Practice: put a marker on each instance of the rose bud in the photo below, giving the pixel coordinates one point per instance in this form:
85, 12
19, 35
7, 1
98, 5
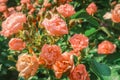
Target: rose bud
91, 9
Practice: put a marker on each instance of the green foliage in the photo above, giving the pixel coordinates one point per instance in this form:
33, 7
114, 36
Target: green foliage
100, 67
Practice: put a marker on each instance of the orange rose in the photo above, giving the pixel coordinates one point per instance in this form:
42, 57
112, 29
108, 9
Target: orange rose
79, 73
106, 47
24, 1
3, 1
116, 14
3, 7
91, 9
49, 54
55, 26
79, 42
13, 24
63, 64
76, 53
27, 65
66, 10
16, 44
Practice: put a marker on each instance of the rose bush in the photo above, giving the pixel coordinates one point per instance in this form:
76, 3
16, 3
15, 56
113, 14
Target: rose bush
59, 40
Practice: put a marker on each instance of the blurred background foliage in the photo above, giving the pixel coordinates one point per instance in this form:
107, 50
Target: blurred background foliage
100, 67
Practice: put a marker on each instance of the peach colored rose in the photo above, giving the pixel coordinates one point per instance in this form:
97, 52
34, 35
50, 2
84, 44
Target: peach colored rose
116, 14
27, 65
106, 47
91, 9
16, 44
79, 42
73, 52
49, 54
3, 1
3, 7
13, 24
24, 1
55, 26
79, 73
107, 15
11, 10
66, 10
63, 64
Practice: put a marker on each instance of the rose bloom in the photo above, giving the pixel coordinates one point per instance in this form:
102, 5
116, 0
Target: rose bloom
3, 7
13, 24
79, 42
49, 54
73, 52
24, 1
3, 1
16, 44
63, 64
55, 26
106, 47
27, 65
91, 9
66, 10
116, 14
79, 73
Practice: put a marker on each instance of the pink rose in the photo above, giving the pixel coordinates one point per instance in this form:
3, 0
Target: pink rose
27, 65
16, 44
3, 1
79, 42
55, 26
13, 24
49, 54
24, 1
3, 7
66, 10
79, 73
106, 47
63, 64
91, 9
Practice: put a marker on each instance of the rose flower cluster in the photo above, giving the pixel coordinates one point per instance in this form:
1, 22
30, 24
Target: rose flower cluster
51, 55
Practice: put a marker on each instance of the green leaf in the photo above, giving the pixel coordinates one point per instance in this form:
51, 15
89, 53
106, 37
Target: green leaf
77, 14
21, 78
114, 75
93, 21
90, 31
104, 29
75, 58
100, 69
